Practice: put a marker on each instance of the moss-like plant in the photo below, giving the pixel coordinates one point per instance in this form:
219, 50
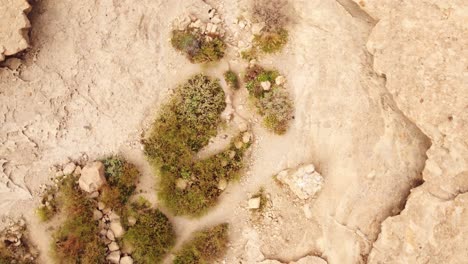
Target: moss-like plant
197, 47
231, 79
152, 236
185, 125
274, 104
206, 246
77, 239
122, 178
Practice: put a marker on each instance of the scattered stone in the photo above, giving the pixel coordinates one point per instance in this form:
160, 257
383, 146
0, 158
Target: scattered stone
266, 85
117, 229
113, 216
280, 80
131, 221
222, 184
242, 24
307, 211
246, 137
216, 20
113, 246
238, 144
110, 235
97, 215
211, 13
92, 177
103, 232
181, 184
101, 206
304, 181
69, 168
254, 203
242, 125
213, 28
114, 257
77, 171
126, 260
94, 195
232, 154
196, 24
257, 28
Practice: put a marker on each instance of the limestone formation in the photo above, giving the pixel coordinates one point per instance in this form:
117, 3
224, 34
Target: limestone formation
13, 27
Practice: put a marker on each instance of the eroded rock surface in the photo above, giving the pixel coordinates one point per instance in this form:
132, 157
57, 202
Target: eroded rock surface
420, 46
13, 26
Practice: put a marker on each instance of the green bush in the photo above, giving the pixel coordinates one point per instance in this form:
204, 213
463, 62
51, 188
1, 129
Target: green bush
77, 239
231, 79
184, 126
122, 178
275, 104
206, 246
196, 47
152, 236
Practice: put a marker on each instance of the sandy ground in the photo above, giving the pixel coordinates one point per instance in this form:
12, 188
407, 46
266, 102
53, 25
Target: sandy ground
97, 71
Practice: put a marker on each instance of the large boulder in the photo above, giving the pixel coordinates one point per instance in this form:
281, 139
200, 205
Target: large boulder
92, 177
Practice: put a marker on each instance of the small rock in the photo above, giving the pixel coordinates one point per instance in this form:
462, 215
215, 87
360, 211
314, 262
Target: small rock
242, 125
242, 24
97, 215
246, 137
266, 85
69, 168
309, 168
222, 184
307, 211
254, 203
131, 221
59, 174
257, 28
216, 20
113, 246
181, 184
77, 171
196, 24
232, 154
110, 235
113, 216
126, 260
280, 80
114, 257
116, 229
92, 177
238, 144
101, 206
103, 232
94, 195
211, 13
127, 248
213, 28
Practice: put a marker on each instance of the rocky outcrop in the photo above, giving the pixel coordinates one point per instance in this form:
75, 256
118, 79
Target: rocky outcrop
13, 26
420, 46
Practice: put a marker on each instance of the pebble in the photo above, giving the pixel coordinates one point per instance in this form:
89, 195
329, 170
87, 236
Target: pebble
246, 137
254, 203
77, 171
97, 215
69, 168
101, 206
116, 229
266, 85
114, 257
131, 221
110, 235
126, 260
280, 80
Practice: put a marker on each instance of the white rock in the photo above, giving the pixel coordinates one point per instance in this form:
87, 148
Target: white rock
117, 229
97, 215
257, 28
113, 246
242, 125
216, 20
126, 260
131, 221
213, 28
92, 177
196, 24
222, 184
246, 137
101, 205
110, 235
254, 203
303, 181
181, 184
69, 168
212, 13
266, 85
94, 195
114, 257
77, 171
280, 80
242, 24
113, 216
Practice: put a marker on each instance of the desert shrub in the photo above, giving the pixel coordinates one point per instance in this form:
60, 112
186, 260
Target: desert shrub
205, 247
184, 126
77, 239
275, 104
271, 42
231, 79
196, 46
122, 178
152, 236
